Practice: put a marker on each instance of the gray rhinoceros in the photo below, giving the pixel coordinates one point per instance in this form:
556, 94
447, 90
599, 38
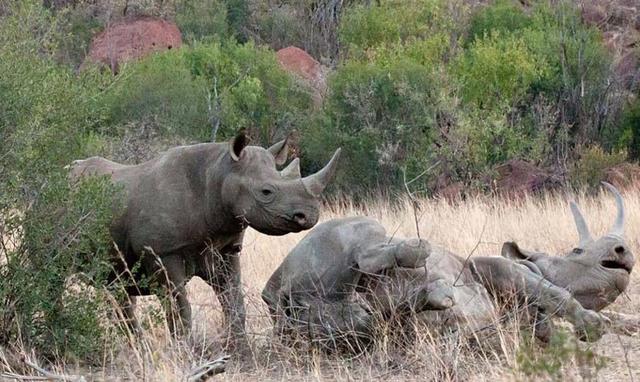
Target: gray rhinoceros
185, 213
346, 271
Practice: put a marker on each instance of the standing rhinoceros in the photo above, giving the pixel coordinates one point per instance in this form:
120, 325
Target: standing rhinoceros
312, 292
186, 211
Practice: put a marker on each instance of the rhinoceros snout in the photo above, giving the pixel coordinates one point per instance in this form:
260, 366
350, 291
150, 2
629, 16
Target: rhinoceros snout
304, 219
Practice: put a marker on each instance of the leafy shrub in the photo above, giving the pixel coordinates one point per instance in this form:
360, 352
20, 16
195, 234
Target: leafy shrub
503, 17
562, 352
383, 115
497, 71
161, 87
590, 169
248, 89
201, 19
65, 233
627, 134
579, 75
48, 116
391, 22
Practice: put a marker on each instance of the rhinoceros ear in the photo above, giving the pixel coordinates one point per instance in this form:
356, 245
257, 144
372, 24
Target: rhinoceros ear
510, 250
280, 151
238, 144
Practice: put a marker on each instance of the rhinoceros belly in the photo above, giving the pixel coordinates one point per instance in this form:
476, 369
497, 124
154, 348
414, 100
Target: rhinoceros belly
473, 307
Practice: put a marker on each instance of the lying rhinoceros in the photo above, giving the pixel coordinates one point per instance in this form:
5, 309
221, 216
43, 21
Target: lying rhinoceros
186, 211
345, 271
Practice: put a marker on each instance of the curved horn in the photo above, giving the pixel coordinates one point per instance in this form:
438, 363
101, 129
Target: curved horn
581, 224
279, 151
618, 225
316, 183
292, 171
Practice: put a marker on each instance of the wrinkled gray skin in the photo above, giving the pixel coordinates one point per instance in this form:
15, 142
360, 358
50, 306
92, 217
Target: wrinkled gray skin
315, 285
312, 291
187, 210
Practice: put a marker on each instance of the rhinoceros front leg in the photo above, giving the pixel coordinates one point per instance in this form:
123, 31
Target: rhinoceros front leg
222, 273
175, 280
503, 277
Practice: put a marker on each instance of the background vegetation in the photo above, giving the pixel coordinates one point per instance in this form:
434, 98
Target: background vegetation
451, 86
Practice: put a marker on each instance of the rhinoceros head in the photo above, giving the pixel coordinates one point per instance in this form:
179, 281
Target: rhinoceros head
271, 201
596, 272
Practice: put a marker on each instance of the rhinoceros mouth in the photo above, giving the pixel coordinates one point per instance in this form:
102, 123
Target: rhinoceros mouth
614, 264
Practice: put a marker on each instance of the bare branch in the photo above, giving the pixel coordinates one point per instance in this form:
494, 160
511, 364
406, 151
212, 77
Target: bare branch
475, 247
209, 369
47, 375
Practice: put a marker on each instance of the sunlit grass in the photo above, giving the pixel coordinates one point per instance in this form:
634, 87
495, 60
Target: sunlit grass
543, 224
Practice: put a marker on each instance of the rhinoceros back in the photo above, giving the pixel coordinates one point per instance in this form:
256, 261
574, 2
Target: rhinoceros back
92, 166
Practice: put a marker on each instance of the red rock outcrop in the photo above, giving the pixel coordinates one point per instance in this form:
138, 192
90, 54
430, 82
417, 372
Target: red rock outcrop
298, 62
132, 39
517, 178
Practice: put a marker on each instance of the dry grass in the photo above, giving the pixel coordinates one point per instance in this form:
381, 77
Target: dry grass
542, 224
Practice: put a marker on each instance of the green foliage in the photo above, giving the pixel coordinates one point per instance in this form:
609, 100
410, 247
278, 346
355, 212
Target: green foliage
202, 19
160, 87
47, 117
482, 140
552, 361
590, 169
503, 17
382, 113
628, 134
248, 89
497, 71
76, 28
392, 22
65, 233
238, 16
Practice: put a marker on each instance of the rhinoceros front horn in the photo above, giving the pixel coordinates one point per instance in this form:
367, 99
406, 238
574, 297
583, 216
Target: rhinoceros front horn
618, 226
581, 224
316, 183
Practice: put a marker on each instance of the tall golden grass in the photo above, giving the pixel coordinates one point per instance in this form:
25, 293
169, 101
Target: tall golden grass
540, 223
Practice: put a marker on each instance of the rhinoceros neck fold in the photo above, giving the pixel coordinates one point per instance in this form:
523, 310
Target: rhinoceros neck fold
219, 218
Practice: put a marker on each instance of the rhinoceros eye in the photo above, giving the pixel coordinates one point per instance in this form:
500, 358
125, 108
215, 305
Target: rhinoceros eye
578, 251
266, 193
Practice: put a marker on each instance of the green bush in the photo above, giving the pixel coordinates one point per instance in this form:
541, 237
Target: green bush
503, 17
393, 22
54, 289
201, 19
248, 90
383, 115
558, 359
161, 87
48, 117
497, 71
589, 169
627, 136
579, 78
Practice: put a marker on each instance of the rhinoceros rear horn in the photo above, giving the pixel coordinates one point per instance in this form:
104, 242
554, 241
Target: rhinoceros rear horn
618, 226
238, 144
292, 171
316, 183
280, 151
